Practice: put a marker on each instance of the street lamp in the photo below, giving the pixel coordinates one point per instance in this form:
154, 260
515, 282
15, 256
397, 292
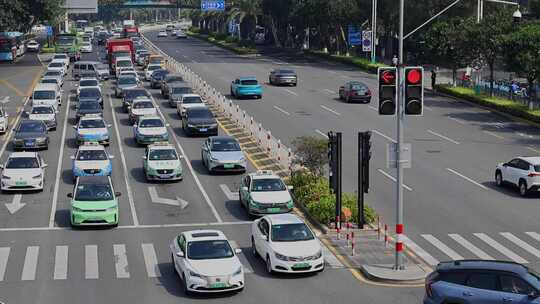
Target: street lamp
517, 15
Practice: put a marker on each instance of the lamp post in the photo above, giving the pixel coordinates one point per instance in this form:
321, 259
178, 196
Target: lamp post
373, 31
480, 9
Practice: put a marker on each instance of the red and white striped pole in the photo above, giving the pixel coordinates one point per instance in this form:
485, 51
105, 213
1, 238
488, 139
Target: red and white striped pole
352, 243
268, 136
278, 149
385, 235
399, 238
337, 227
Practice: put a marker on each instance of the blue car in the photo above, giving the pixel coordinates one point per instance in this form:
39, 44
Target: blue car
246, 87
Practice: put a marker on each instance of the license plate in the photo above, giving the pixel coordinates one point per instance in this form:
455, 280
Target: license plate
29, 143
203, 129
218, 285
21, 183
273, 210
228, 166
301, 265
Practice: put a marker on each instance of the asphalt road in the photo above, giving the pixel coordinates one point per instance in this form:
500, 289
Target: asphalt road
450, 194
43, 260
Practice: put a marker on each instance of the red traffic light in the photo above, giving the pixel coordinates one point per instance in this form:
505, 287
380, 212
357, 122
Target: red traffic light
414, 76
388, 76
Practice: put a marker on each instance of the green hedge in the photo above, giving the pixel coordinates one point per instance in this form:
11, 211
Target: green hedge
313, 193
362, 63
500, 104
223, 41
46, 50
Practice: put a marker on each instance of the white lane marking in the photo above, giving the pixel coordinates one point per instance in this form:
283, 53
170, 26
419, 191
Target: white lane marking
428, 258
459, 121
384, 136
124, 165
193, 173
330, 258
493, 134
291, 92
442, 247
333, 72
393, 179
467, 179
330, 110
282, 111
61, 263
231, 196
428, 108
373, 108
321, 133
443, 137
514, 239
533, 149
329, 91
344, 76
150, 261
4, 256
497, 246
524, 135
59, 166
193, 61
15, 204
534, 235
242, 257
472, 248
91, 265
30, 263
121, 261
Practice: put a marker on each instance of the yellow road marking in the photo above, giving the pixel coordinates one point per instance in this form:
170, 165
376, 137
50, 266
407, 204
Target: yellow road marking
12, 87
36, 78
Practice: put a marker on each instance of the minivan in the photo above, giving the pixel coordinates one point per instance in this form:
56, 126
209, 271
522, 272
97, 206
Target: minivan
83, 67
47, 94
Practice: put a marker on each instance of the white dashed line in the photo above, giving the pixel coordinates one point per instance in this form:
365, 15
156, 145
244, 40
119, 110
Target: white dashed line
291, 92
282, 111
330, 110
321, 133
393, 179
459, 121
467, 179
384, 136
373, 108
443, 137
493, 134
533, 149
329, 91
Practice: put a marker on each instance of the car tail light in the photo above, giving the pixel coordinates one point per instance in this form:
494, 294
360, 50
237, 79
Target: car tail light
533, 174
430, 279
352, 93
368, 93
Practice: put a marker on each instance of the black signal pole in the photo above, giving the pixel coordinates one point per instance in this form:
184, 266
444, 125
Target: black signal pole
361, 218
338, 179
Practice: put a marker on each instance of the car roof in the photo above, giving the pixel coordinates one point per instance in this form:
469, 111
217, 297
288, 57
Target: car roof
161, 146
284, 218
535, 160
23, 154
45, 86
149, 117
223, 137
264, 174
483, 265
248, 78
92, 146
93, 179
191, 95
204, 235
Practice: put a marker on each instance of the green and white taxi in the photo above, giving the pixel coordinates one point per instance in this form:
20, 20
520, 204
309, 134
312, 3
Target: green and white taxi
264, 192
162, 162
150, 129
94, 202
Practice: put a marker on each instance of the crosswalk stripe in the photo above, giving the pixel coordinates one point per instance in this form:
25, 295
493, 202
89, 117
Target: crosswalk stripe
4, 256
442, 247
428, 258
120, 261
30, 263
514, 239
150, 261
91, 262
331, 259
499, 247
534, 235
472, 248
60, 263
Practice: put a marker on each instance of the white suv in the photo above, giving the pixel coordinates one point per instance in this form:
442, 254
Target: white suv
523, 172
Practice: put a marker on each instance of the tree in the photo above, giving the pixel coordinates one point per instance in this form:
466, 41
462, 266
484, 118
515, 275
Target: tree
311, 153
535, 8
246, 13
21, 15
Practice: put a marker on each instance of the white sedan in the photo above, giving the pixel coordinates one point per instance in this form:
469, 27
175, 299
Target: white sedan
57, 66
162, 34
286, 244
86, 47
150, 69
3, 121
32, 46
206, 263
23, 171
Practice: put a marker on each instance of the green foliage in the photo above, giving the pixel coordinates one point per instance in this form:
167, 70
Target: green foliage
361, 63
312, 153
21, 15
521, 52
47, 50
231, 46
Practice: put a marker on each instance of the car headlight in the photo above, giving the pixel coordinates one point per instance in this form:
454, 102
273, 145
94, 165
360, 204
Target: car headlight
281, 257
194, 274
318, 255
37, 176
212, 158
290, 204
151, 171
5, 177
76, 209
213, 125
41, 139
112, 209
238, 272
191, 126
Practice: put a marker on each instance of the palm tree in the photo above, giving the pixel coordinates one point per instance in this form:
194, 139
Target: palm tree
246, 10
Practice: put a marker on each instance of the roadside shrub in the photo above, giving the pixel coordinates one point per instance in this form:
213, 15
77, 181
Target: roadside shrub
230, 39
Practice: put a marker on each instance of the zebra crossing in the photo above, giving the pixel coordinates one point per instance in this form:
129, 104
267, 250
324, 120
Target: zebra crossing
93, 262
517, 247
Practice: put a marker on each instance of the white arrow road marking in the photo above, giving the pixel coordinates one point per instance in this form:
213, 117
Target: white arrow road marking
16, 204
228, 193
5, 99
166, 201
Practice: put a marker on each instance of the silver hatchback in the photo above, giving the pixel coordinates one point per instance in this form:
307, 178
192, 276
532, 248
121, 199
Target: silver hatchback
223, 154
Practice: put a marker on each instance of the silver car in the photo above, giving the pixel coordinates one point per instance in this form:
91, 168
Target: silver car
123, 83
223, 153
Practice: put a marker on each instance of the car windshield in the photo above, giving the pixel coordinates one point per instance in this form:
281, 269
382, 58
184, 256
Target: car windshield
205, 250
225, 145
132, 94
285, 72
91, 123
22, 163
181, 90
291, 233
127, 80
56, 65
174, 79
154, 67
49, 80
88, 83
53, 73
267, 184
89, 93
249, 82
358, 86
143, 105
191, 99
42, 110
91, 155
158, 74
102, 67
163, 154
151, 123
128, 73
123, 63
44, 95
32, 126
94, 192
89, 106
200, 113
60, 56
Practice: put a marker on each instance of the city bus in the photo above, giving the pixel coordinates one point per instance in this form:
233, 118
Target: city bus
8, 48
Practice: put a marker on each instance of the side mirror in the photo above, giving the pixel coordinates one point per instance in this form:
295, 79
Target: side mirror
111, 156
143, 157
44, 166
27, 113
533, 295
244, 188
1, 166
76, 85
75, 127
505, 165
109, 126
72, 157
118, 193
290, 187
167, 125
134, 126
180, 254
56, 112
238, 251
70, 195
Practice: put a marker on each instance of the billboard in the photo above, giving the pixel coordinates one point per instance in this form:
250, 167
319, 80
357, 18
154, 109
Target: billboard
81, 6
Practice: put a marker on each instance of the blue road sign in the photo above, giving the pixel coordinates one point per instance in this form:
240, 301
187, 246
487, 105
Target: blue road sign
354, 35
212, 5
49, 30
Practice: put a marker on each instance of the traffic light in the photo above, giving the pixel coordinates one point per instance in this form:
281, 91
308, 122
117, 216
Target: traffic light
366, 156
414, 90
387, 90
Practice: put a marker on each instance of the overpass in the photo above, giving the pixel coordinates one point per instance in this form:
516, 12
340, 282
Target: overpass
162, 4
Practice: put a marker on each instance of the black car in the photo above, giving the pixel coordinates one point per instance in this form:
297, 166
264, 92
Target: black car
355, 91
31, 134
167, 80
102, 38
90, 95
87, 108
157, 77
199, 120
283, 76
131, 94
176, 90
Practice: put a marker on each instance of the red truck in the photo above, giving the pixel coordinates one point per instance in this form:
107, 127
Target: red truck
119, 48
130, 31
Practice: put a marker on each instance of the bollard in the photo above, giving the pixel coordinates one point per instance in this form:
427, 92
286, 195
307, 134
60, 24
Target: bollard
385, 235
352, 243
337, 227
378, 228
348, 240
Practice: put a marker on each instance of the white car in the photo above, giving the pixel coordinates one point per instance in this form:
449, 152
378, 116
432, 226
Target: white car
3, 121
162, 34
188, 101
129, 72
57, 74
23, 171
150, 69
87, 83
62, 56
264, 192
91, 159
46, 113
161, 162
206, 263
57, 66
32, 46
92, 128
150, 129
141, 106
286, 244
86, 47
181, 34
524, 172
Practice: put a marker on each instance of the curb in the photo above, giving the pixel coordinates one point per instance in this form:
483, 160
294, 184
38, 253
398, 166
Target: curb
375, 278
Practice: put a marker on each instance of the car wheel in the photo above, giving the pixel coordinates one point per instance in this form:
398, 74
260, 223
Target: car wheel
348, 100
185, 287
269, 266
172, 263
253, 248
498, 179
270, 80
523, 188
232, 93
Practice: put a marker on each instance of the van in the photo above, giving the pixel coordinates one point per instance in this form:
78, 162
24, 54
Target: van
48, 94
84, 67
